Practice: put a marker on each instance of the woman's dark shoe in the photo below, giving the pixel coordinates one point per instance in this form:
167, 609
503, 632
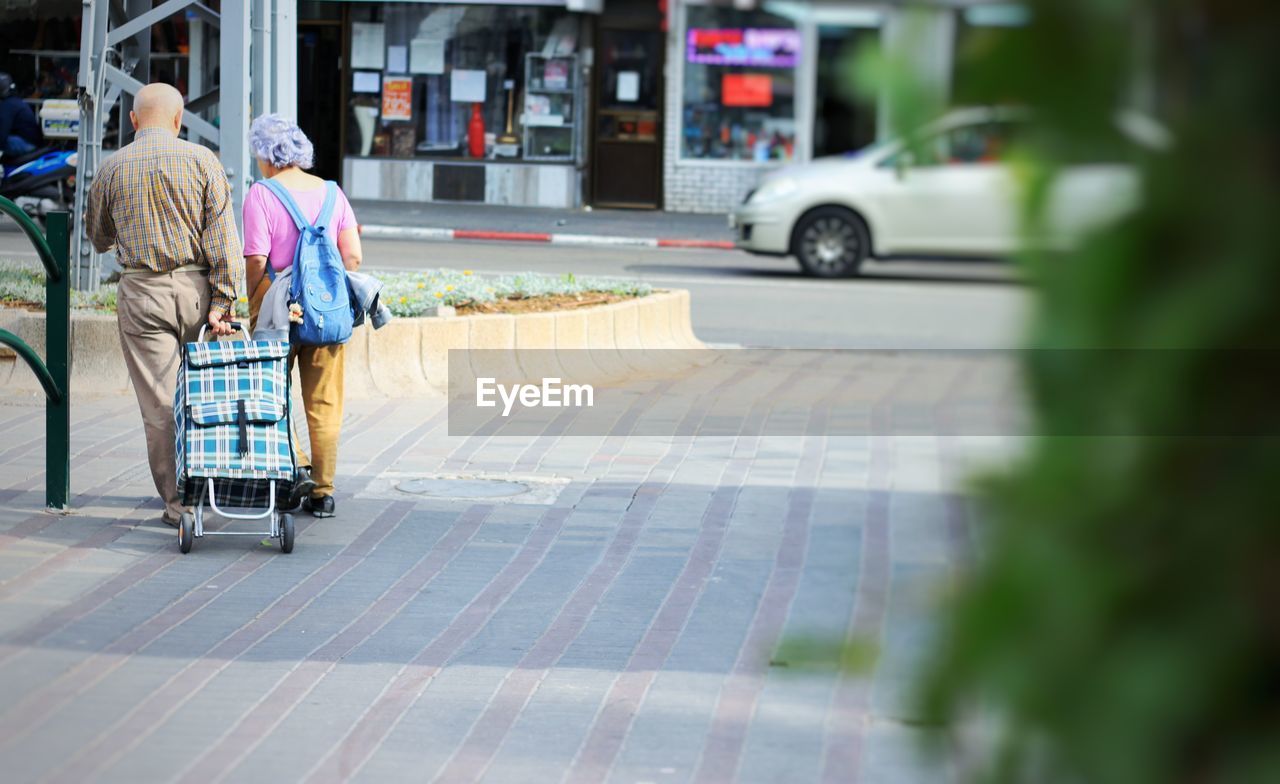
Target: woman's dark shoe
303, 484
320, 507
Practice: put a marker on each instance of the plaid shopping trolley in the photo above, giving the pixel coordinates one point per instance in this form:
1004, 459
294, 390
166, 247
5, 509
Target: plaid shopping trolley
232, 434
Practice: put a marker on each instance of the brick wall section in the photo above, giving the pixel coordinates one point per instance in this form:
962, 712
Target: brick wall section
688, 186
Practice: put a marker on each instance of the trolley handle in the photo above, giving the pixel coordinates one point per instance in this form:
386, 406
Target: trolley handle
234, 326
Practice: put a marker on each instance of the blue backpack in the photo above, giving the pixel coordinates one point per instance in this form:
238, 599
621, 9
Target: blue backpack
319, 282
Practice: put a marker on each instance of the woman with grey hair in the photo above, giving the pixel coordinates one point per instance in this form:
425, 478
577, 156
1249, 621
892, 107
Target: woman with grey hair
284, 153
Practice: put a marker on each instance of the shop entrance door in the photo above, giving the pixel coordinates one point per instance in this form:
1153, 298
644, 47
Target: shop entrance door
320, 112
626, 168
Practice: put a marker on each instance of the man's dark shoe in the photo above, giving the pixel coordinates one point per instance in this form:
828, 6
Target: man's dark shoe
303, 484
320, 507
164, 518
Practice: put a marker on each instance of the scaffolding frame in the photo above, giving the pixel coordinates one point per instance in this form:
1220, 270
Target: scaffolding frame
257, 63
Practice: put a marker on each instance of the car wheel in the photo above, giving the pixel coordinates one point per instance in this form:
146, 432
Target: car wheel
831, 242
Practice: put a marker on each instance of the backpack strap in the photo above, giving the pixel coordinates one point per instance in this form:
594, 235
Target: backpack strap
286, 198
301, 223
326, 210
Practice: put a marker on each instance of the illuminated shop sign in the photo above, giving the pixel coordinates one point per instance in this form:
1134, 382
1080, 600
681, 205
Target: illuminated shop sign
746, 90
768, 48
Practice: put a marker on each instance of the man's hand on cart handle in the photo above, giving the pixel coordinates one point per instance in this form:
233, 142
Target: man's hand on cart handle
220, 322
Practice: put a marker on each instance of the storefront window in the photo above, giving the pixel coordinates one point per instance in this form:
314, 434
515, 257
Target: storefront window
418, 73
739, 85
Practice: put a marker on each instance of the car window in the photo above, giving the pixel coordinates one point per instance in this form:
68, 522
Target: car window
964, 145
970, 144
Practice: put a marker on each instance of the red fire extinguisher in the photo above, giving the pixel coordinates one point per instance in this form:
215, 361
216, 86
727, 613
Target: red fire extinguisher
475, 132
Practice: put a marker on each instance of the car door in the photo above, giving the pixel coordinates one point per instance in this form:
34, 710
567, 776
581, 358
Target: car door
1087, 196
954, 195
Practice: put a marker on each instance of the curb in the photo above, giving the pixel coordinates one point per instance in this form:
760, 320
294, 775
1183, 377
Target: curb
652, 335
406, 232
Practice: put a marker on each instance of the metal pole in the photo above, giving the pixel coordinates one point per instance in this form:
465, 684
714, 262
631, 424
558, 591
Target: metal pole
284, 67
807, 87
195, 57
260, 56
93, 108
234, 97
54, 374
28, 355
57, 351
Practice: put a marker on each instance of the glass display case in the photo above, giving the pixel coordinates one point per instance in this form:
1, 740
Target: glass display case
550, 111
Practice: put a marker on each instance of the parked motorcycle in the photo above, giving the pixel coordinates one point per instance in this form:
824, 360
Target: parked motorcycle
41, 181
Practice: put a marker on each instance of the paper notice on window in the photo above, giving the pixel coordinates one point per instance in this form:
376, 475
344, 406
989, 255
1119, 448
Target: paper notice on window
397, 98
467, 86
628, 86
366, 82
397, 59
426, 56
368, 45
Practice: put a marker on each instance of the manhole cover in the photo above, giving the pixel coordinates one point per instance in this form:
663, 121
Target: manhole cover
463, 488
476, 488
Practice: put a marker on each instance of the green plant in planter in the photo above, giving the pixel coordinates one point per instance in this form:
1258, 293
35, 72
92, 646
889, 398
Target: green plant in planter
406, 294
412, 294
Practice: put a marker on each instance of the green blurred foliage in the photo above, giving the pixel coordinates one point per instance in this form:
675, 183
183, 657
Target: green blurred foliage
1122, 624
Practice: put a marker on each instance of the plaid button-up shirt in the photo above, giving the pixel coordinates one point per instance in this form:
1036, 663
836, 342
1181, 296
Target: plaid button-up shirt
163, 203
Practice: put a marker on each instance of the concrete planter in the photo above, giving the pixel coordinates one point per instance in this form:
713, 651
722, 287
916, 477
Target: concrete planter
409, 356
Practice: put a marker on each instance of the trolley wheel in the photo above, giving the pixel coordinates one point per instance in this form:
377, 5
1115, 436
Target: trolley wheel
186, 532
286, 533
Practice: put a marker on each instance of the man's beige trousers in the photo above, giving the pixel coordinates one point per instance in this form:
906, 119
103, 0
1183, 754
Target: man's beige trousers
158, 312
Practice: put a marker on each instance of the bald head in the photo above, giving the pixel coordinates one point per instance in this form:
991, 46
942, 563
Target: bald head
157, 106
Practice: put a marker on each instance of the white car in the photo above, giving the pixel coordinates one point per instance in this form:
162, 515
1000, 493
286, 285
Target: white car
955, 197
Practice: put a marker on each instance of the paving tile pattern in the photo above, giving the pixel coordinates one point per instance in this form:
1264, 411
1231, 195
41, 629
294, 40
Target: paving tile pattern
624, 633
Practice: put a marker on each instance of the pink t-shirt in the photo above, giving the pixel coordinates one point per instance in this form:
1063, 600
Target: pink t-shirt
269, 231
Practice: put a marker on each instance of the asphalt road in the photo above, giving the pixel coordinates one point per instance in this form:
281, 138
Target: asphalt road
745, 300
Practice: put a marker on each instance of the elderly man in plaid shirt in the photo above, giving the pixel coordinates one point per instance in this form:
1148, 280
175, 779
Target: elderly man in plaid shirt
165, 206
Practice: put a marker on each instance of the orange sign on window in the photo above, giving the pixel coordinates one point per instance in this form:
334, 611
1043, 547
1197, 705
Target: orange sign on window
397, 98
746, 90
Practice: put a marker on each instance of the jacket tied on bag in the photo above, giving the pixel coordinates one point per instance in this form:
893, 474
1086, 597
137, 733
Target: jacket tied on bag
366, 302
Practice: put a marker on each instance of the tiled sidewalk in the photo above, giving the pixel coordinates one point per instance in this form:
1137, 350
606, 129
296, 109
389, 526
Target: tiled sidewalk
622, 633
